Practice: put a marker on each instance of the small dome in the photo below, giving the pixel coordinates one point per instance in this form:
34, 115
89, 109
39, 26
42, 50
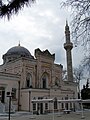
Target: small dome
18, 50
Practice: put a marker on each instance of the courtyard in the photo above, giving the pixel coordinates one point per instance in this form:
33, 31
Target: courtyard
56, 116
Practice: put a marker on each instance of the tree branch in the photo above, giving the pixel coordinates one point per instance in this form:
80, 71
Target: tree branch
13, 7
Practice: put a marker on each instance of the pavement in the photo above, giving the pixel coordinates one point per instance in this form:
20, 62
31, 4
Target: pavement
56, 116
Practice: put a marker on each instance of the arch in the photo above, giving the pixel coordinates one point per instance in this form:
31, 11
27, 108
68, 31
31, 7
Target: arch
28, 80
44, 80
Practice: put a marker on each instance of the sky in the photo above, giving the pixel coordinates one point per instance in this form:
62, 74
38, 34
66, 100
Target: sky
40, 26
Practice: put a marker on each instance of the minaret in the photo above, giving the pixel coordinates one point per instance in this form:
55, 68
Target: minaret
68, 47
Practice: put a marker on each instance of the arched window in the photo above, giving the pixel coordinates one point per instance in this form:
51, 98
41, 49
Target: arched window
44, 80
29, 80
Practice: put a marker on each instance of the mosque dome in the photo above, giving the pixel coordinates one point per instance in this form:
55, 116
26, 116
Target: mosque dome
16, 52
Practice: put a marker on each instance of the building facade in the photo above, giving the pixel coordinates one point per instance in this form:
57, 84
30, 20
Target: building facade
34, 77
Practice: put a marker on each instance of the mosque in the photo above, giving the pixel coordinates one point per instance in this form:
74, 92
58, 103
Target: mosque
30, 77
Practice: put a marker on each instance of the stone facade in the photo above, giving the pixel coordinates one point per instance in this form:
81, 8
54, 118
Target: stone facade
34, 77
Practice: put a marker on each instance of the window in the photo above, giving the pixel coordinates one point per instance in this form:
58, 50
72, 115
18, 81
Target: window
2, 94
66, 105
13, 93
34, 106
70, 104
29, 80
28, 83
55, 103
46, 106
62, 104
38, 106
44, 80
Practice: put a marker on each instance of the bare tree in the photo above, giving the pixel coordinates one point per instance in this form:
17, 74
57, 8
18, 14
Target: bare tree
9, 7
86, 65
80, 24
78, 76
81, 20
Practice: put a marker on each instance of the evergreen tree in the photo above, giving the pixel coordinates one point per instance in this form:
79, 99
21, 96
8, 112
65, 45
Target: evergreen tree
85, 93
12, 6
87, 84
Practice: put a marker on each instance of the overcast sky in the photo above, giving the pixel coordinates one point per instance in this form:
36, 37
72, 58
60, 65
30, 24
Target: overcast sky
39, 26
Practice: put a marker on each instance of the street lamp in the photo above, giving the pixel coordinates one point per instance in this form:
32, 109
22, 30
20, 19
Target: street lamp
9, 95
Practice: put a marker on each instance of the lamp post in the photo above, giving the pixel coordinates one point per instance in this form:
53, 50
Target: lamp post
9, 96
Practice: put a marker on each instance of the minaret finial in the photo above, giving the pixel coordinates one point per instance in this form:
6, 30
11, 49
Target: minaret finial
67, 27
19, 43
66, 22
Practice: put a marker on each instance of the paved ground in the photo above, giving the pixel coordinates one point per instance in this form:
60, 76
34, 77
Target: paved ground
27, 116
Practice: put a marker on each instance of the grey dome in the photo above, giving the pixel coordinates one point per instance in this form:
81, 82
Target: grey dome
15, 53
18, 50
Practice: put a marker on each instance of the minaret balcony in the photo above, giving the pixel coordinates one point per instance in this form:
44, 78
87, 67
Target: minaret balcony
68, 45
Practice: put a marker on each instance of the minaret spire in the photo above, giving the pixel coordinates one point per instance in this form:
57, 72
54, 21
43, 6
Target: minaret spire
67, 32
66, 22
68, 47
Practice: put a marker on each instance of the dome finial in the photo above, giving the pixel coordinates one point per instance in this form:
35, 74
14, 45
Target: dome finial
19, 43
